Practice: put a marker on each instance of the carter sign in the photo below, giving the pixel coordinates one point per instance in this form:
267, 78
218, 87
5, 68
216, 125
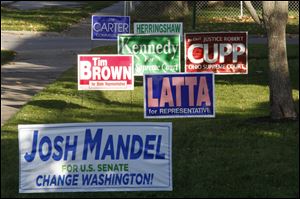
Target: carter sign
108, 27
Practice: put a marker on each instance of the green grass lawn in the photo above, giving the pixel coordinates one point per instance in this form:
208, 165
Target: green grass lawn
240, 153
6, 56
219, 19
204, 24
48, 19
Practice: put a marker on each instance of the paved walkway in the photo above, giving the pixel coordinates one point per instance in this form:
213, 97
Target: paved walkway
41, 58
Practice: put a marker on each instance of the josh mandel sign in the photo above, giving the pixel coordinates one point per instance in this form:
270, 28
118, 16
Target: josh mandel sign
95, 157
152, 53
179, 95
108, 27
221, 53
105, 72
159, 28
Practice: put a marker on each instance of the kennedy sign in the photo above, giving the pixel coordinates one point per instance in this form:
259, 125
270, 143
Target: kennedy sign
152, 53
105, 72
221, 53
108, 27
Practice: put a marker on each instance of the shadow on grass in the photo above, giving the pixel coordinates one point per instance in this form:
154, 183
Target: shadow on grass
54, 104
233, 156
101, 99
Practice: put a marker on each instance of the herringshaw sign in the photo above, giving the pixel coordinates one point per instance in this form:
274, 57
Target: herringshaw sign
152, 53
179, 95
105, 72
159, 28
218, 52
93, 157
108, 27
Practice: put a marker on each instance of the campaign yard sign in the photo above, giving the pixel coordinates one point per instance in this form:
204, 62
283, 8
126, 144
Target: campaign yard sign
152, 53
93, 157
179, 95
218, 52
108, 27
105, 72
159, 28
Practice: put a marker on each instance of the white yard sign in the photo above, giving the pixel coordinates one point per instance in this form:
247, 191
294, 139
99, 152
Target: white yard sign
90, 157
165, 28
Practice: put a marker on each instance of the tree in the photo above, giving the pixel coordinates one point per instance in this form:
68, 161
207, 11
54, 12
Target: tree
274, 19
171, 9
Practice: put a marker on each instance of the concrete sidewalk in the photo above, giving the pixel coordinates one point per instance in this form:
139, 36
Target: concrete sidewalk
253, 39
41, 58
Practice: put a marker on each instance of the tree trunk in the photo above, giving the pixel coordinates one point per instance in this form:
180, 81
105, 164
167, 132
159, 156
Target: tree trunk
158, 9
176, 8
215, 4
275, 15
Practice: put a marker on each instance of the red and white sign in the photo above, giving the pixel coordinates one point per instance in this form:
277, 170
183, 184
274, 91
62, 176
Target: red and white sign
105, 72
220, 52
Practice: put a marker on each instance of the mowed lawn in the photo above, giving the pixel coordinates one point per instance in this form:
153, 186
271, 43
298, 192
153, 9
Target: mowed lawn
240, 153
50, 18
213, 19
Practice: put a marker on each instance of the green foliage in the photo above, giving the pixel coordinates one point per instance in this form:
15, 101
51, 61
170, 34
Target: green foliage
6, 56
240, 153
217, 19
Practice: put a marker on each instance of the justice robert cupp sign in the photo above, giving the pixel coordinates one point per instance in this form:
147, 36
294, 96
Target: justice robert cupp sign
219, 52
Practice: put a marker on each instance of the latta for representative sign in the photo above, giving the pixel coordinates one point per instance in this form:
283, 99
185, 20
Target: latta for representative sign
159, 28
105, 72
179, 95
108, 27
152, 53
218, 52
92, 157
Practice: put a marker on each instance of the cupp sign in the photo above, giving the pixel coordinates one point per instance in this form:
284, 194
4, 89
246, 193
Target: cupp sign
221, 53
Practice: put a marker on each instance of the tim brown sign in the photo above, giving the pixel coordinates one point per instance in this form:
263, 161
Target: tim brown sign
105, 72
219, 52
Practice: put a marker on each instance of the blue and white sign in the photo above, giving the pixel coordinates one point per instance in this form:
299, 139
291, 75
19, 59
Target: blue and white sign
108, 27
92, 157
179, 95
